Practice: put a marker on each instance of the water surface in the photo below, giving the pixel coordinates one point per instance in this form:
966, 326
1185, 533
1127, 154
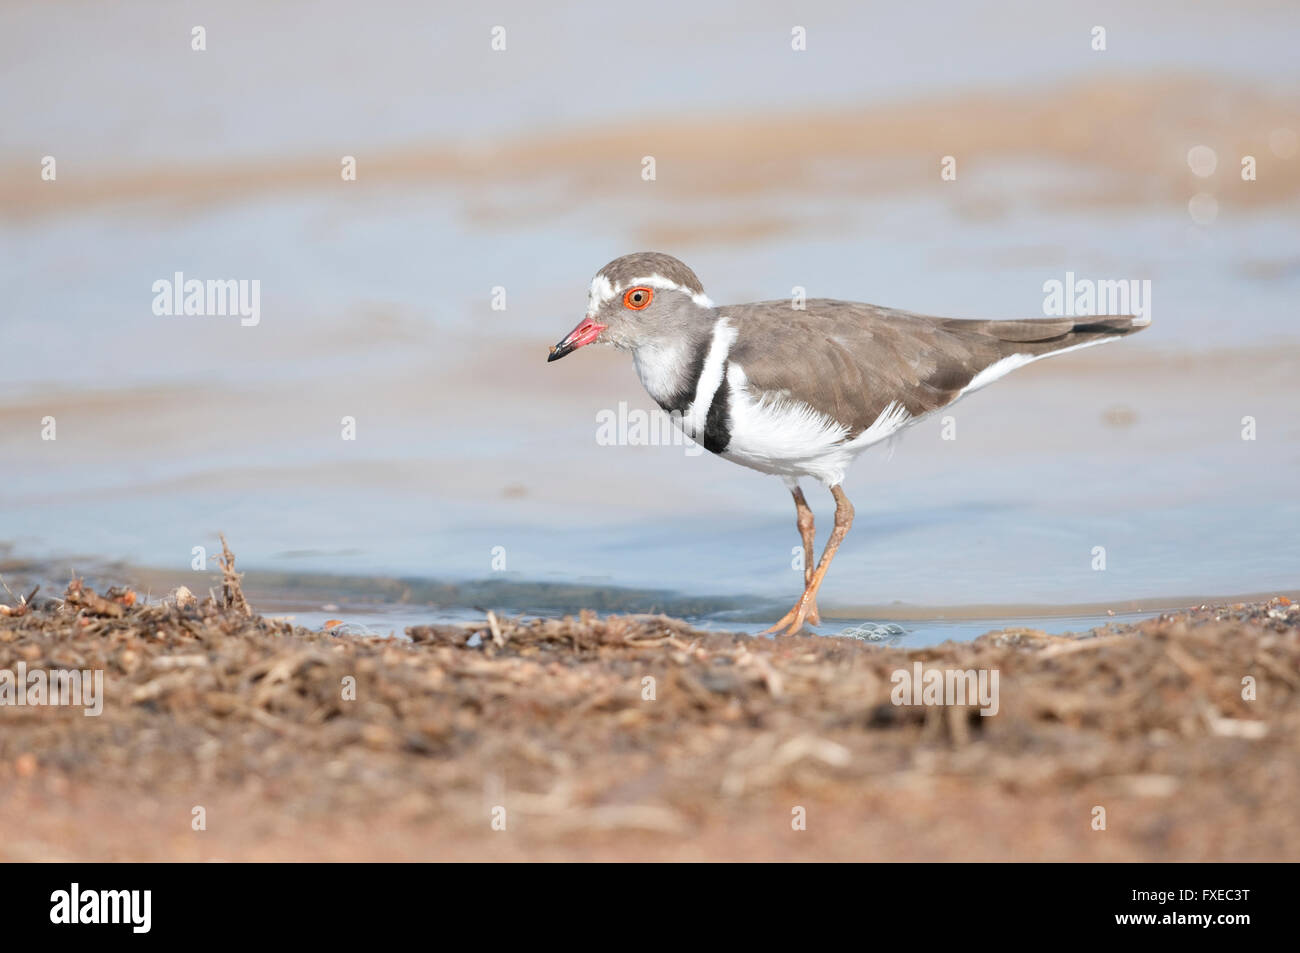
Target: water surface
1106, 478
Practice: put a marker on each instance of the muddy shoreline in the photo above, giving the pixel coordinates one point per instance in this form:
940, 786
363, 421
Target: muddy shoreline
282, 593
638, 736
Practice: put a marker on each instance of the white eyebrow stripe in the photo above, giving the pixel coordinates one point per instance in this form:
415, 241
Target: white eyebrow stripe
603, 290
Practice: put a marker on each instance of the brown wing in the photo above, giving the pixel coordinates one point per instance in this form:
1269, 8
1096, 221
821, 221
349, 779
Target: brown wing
850, 360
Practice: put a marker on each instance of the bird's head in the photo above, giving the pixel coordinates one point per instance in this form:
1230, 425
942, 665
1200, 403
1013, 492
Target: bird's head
636, 299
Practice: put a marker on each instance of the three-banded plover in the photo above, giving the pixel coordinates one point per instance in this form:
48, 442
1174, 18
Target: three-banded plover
801, 392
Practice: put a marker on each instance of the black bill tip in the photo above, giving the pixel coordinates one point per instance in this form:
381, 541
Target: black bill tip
559, 351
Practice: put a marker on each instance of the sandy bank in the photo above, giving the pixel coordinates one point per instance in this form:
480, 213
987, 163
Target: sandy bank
302, 745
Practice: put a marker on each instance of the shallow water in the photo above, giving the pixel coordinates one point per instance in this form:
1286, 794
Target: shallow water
476, 461
394, 620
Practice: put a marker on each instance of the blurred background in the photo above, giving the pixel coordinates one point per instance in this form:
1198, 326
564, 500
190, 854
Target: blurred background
521, 169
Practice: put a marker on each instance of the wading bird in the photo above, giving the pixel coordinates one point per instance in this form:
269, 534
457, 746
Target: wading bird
801, 392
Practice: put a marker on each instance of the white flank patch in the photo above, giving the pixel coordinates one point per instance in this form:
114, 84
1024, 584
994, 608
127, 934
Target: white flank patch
891, 420
603, 290
715, 363
776, 434
995, 370
1008, 364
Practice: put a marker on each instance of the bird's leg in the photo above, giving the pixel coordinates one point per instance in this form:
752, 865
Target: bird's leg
794, 620
804, 519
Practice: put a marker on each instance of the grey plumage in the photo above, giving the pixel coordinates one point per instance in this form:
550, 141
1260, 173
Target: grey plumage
850, 361
798, 392
622, 271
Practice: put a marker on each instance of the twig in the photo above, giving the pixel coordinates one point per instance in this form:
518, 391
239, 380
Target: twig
495, 626
24, 605
232, 593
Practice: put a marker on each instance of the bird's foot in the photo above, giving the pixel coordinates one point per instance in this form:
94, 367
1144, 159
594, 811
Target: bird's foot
804, 612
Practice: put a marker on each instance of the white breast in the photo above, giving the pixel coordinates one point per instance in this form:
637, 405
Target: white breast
660, 367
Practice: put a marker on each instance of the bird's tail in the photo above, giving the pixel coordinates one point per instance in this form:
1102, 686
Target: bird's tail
1041, 336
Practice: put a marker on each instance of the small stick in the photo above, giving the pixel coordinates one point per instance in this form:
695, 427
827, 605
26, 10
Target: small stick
496, 629
232, 592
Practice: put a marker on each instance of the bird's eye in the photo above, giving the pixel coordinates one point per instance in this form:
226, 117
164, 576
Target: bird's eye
637, 298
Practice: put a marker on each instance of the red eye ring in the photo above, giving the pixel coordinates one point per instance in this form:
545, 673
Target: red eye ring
638, 299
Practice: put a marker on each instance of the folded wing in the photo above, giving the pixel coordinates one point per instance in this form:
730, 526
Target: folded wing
850, 361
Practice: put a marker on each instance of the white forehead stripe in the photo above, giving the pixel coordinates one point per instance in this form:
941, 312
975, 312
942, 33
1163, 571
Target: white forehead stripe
603, 290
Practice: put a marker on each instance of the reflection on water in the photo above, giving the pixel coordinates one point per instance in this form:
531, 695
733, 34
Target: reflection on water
393, 621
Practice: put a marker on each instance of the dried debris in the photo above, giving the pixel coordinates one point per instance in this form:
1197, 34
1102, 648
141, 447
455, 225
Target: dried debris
23, 604
593, 729
232, 592
89, 601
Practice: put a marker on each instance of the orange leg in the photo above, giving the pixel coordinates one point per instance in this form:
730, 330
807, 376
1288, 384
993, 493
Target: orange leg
804, 611
804, 519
